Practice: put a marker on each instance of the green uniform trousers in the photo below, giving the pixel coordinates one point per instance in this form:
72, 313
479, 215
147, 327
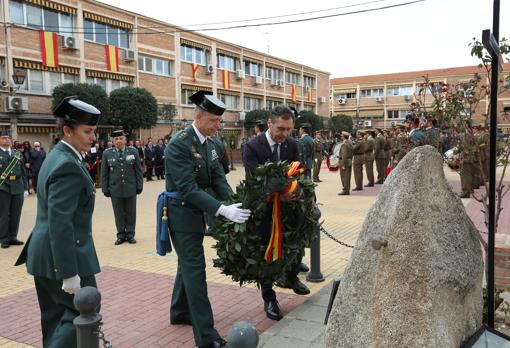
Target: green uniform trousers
369, 167
124, 210
10, 213
380, 164
316, 167
345, 177
58, 312
189, 297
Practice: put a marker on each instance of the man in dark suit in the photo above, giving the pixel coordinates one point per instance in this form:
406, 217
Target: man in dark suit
274, 145
150, 159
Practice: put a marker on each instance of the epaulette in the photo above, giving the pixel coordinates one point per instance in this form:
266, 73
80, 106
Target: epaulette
182, 135
108, 149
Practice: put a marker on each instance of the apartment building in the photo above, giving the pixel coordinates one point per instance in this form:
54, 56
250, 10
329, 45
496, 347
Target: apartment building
77, 41
384, 100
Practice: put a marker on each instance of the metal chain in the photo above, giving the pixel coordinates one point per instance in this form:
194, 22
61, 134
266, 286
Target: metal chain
336, 240
100, 335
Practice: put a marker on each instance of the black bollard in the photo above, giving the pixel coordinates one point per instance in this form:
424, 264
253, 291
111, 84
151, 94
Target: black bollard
315, 274
87, 301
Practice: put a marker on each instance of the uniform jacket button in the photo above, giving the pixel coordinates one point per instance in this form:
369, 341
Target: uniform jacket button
77, 241
55, 269
182, 203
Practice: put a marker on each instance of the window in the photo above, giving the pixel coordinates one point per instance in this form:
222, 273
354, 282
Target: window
271, 104
226, 62
108, 85
274, 74
106, 34
393, 114
154, 65
506, 84
371, 93
193, 54
231, 101
253, 69
350, 95
310, 108
39, 81
252, 103
292, 78
185, 94
40, 18
399, 90
309, 81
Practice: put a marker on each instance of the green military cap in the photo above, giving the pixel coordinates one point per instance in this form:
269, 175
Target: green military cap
119, 133
77, 111
207, 102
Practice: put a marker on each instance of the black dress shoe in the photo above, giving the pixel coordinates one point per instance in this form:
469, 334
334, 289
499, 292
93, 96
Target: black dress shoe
357, 189
5, 245
299, 288
343, 193
369, 185
119, 241
303, 268
131, 240
184, 320
15, 242
272, 310
219, 343
378, 182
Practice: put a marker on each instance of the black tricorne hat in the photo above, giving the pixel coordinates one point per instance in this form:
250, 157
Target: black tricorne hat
206, 101
77, 111
305, 125
260, 123
118, 133
5, 133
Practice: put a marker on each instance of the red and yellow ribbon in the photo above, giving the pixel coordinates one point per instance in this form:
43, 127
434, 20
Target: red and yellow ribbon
274, 249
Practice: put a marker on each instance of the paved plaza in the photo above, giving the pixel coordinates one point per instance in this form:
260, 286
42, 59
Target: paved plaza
136, 284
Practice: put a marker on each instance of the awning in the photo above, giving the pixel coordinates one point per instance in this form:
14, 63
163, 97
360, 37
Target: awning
107, 20
196, 88
195, 44
36, 130
53, 6
25, 64
229, 92
110, 76
344, 91
371, 113
347, 113
228, 53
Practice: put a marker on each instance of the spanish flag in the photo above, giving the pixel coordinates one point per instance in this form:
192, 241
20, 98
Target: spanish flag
294, 92
226, 79
309, 95
194, 68
112, 57
49, 48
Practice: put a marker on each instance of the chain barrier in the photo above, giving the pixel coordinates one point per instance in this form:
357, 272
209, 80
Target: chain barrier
334, 239
100, 335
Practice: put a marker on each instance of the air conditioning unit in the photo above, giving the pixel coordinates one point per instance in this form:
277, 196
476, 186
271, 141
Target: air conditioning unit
367, 123
258, 80
281, 83
14, 103
4, 84
242, 115
129, 55
274, 82
407, 97
69, 42
393, 123
240, 74
342, 101
322, 100
209, 69
379, 99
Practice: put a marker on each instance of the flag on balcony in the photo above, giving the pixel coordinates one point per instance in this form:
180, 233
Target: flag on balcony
112, 57
294, 92
309, 95
49, 48
194, 67
226, 79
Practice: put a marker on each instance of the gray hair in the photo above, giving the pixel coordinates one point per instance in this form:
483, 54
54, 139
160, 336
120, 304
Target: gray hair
281, 111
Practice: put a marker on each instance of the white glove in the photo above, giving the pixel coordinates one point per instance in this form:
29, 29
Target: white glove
25, 194
234, 213
71, 285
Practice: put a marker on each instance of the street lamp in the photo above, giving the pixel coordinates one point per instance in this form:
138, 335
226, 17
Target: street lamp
19, 79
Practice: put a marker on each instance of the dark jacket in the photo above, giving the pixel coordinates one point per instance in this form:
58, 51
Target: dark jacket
257, 151
36, 159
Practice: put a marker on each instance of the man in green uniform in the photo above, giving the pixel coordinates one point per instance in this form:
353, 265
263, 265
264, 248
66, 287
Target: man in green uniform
191, 167
318, 151
369, 157
358, 159
60, 251
345, 164
13, 189
306, 148
380, 156
122, 180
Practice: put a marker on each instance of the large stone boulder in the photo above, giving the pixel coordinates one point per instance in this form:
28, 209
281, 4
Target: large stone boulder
422, 289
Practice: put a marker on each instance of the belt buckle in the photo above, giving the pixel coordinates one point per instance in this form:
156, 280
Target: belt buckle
12, 177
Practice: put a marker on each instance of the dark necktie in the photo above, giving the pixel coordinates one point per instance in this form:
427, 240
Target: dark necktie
275, 155
120, 155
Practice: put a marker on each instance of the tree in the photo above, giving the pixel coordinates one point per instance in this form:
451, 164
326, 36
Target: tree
309, 117
167, 112
91, 94
132, 108
341, 123
253, 116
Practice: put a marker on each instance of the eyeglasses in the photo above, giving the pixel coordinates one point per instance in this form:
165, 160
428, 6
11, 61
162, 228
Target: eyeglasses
37, 146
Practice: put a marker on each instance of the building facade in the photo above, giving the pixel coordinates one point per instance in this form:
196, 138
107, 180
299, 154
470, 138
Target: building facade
104, 45
384, 100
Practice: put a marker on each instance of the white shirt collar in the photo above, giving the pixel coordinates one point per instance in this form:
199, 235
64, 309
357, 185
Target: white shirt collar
269, 139
200, 136
7, 149
74, 150
304, 135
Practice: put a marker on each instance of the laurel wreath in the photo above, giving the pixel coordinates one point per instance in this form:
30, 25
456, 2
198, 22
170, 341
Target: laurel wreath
240, 247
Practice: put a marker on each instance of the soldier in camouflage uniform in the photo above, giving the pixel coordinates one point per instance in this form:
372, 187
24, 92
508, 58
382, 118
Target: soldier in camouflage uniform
122, 180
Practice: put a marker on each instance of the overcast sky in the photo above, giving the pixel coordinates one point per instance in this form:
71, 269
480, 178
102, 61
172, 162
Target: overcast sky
420, 36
